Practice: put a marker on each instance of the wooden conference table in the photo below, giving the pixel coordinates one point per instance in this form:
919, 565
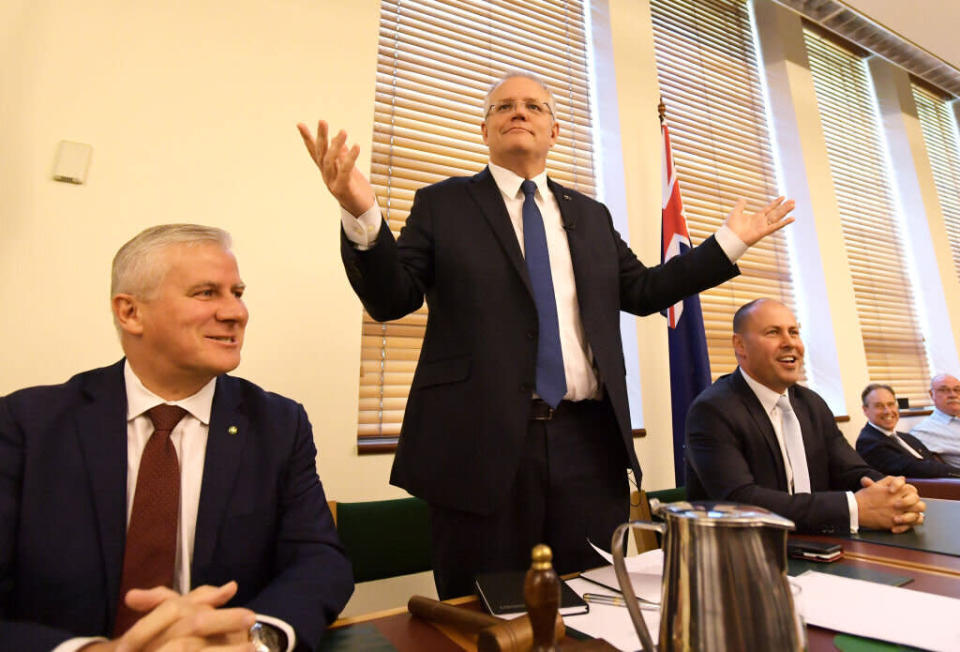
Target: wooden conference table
931, 572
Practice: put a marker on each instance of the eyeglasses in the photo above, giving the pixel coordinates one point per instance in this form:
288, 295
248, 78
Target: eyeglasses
509, 106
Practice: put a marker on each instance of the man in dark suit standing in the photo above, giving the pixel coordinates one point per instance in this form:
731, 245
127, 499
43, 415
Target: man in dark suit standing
889, 451
159, 502
757, 437
516, 429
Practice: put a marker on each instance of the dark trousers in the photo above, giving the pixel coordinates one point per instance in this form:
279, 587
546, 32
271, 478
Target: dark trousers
571, 487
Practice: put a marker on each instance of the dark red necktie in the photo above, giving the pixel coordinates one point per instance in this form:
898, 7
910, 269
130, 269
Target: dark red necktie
151, 548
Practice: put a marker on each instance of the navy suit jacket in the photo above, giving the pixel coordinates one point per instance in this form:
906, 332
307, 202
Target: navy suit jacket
733, 455
886, 455
468, 408
262, 520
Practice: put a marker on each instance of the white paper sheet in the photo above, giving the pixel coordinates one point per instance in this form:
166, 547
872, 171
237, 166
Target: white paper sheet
888, 613
612, 623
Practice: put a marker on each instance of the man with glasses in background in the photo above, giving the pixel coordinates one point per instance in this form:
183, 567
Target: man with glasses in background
892, 452
940, 432
517, 429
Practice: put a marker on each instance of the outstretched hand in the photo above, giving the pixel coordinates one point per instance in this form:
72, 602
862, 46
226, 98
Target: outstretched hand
754, 227
337, 165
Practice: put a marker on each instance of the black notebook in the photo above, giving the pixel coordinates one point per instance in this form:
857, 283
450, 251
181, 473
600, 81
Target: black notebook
502, 595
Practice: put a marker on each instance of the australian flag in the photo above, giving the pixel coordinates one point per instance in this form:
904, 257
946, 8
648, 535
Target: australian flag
689, 364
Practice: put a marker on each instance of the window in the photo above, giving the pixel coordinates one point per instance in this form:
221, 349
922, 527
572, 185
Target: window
711, 86
940, 135
435, 63
892, 339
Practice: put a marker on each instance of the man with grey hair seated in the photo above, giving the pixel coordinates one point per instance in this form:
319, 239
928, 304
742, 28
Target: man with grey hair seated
158, 502
517, 429
892, 452
940, 432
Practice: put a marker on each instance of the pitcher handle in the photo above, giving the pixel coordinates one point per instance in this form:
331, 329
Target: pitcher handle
623, 577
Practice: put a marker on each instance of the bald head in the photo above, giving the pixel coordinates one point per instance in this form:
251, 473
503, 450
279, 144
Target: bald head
766, 341
743, 313
945, 392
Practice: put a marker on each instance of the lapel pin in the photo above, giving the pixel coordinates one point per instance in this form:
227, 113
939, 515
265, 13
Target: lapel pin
567, 197
232, 430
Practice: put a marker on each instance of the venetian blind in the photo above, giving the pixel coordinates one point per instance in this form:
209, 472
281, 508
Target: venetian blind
436, 60
940, 135
710, 83
871, 231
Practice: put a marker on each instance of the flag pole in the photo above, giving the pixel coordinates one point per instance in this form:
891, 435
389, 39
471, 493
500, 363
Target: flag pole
686, 338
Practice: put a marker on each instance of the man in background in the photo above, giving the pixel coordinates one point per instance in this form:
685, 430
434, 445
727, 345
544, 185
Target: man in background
757, 437
940, 432
158, 500
892, 452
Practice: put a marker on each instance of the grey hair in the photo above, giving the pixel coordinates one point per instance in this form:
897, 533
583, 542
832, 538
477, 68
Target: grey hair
137, 267
526, 74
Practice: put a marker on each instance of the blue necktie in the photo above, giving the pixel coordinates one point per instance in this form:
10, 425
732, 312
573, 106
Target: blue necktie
551, 381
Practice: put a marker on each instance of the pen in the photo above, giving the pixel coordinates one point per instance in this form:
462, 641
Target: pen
615, 601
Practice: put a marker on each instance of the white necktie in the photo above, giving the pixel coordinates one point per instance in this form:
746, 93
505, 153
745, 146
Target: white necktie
793, 441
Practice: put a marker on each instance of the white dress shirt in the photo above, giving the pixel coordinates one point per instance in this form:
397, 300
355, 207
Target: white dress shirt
581, 377
768, 400
940, 432
189, 439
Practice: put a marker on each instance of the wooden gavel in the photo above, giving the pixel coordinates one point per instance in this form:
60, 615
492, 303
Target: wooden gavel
493, 634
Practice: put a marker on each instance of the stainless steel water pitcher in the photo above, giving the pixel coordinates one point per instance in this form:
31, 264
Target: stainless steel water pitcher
724, 579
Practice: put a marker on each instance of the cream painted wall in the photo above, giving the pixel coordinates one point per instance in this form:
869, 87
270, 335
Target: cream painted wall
191, 109
831, 322
638, 94
835, 356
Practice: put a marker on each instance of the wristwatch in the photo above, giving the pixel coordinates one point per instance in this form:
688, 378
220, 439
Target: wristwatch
266, 638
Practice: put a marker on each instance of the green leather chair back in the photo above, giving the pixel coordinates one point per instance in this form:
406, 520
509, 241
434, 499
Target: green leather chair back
385, 538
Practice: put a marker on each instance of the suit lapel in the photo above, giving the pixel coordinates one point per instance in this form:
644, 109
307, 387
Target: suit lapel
102, 433
762, 421
580, 256
568, 211
570, 216
229, 432
483, 188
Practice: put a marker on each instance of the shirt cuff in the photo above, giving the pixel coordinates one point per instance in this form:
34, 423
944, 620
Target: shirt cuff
282, 625
730, 242
362, 230
74, 644
854, 513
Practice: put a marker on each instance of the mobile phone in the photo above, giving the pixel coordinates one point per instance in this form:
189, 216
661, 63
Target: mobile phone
815, 550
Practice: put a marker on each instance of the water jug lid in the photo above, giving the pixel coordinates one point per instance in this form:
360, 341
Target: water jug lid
713, 513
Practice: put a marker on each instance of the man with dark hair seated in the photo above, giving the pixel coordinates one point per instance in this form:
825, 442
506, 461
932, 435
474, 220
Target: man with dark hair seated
757, 437
889, 451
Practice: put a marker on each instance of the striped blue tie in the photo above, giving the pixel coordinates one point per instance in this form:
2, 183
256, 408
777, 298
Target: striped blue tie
551, 381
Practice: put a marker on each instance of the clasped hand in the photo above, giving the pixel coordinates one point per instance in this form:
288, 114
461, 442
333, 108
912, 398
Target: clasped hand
180, 623
889, 504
